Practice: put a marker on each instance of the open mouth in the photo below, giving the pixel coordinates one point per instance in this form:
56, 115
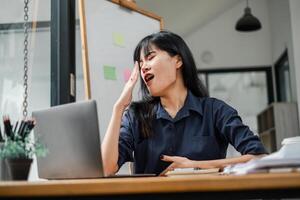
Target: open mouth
148, 77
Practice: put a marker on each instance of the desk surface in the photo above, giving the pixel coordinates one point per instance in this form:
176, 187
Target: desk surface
151, 185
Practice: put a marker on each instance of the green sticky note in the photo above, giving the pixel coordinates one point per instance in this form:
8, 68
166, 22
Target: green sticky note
119, 39
109, 72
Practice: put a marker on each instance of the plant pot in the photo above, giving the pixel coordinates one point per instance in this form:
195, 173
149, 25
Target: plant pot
18, 168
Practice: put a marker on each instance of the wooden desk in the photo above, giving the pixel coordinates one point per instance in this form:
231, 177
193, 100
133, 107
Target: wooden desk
180, 187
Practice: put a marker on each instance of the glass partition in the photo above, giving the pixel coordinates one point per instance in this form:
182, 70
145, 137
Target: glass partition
12, 57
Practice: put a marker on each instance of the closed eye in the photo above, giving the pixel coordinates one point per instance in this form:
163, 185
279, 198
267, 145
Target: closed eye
150, 55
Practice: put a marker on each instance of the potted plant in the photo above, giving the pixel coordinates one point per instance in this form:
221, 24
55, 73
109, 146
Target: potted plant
18, 148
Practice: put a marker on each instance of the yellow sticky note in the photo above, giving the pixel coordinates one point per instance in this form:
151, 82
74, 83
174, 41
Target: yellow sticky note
109, 72
119, 39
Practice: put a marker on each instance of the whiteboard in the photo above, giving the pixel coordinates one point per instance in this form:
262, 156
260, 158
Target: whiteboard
109, 34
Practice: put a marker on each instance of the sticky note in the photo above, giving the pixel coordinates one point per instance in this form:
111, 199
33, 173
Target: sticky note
126, 74
118, 39
109, 72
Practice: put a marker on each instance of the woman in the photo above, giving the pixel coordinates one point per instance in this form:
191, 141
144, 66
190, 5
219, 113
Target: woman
175, 122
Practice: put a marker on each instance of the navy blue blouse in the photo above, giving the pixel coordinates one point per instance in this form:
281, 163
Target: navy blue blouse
201, 130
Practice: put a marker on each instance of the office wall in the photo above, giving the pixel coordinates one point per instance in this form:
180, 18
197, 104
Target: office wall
228, 47
295, 28
285, 31
281, 36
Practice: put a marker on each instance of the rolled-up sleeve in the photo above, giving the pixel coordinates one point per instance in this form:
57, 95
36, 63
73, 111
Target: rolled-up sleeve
229, 124
125, 140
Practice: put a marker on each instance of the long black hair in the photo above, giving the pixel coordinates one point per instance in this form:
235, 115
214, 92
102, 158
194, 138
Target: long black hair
173, 45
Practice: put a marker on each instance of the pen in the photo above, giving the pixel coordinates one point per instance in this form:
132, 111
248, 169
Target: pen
1, 137
16, 127
15, 134
21, 127
29, 124
25, 130
7, 126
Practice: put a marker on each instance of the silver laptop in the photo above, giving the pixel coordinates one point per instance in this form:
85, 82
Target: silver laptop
71, 134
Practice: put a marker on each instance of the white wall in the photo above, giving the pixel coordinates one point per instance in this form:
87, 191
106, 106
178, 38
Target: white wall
285, 31
229, 47
295, 29
281, 37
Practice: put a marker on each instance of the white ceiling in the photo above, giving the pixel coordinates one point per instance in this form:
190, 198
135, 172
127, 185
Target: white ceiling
186, 16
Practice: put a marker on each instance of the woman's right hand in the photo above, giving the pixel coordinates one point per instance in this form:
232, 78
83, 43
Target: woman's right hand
126, 95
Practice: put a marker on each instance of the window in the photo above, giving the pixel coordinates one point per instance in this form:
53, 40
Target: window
12, 57
282, 74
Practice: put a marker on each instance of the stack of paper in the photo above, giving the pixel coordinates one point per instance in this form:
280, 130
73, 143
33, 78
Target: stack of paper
265, 165
287, 159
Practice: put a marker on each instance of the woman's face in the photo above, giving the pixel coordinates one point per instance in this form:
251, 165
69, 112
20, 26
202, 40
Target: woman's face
159, 70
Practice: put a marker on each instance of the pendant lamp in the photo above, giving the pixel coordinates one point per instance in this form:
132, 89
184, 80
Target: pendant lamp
248, 22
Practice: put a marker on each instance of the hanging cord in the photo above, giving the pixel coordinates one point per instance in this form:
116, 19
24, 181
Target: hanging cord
25, 27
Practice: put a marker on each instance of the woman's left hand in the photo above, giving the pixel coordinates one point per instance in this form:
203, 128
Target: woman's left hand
177, 162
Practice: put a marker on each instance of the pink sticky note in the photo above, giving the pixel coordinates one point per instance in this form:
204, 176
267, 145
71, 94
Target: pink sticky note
126, 74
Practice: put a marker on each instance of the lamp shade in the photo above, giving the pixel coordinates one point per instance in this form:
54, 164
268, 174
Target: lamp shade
248, 22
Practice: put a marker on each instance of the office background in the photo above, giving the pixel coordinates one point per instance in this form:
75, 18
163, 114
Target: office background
235, 66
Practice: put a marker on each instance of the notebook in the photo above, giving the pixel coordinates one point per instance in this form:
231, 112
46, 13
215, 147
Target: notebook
71, 135
192, 171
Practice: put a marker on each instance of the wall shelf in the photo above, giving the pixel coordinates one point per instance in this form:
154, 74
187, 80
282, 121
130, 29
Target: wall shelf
276, 122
